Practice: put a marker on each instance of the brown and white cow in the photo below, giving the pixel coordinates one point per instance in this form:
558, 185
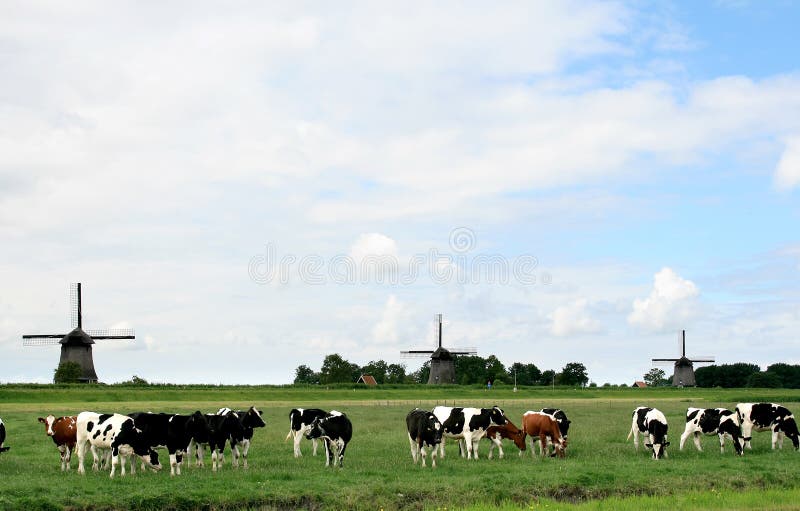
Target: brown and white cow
496, 433
64, 432
545, 428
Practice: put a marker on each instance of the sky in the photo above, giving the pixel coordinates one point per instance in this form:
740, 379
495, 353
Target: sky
255, 186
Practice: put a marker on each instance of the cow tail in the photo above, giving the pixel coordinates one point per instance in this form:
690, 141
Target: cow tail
289, 435
629, 434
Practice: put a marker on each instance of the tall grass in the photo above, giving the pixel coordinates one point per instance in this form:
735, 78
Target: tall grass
378, 471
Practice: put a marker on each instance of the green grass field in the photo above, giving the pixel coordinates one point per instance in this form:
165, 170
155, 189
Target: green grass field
601, 470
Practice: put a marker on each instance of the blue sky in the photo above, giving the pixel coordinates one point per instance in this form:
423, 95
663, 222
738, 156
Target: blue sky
646, 154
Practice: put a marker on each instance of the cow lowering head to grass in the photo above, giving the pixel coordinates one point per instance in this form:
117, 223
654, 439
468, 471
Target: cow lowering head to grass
300, 421
336, 431
469, 424
544, 427
652, 425
3, 437
115, 432
768, 417
64, 432
495, 435
712, 421
424, 430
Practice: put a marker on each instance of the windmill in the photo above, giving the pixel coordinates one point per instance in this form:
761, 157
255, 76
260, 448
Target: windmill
684, 366
442, 368
76, 346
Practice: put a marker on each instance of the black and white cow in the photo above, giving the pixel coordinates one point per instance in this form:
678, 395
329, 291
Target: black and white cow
249, 420
712, 421
173, 432
335, 430
222, 429
424, 429
3, 436
768, 416
300, 421
116, 432
469, 424
652, 425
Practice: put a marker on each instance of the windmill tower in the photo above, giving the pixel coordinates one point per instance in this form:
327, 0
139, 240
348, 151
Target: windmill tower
443, 369
683, 375
76, 346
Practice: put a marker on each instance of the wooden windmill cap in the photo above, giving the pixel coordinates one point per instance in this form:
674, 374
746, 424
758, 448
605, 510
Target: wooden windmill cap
77, 338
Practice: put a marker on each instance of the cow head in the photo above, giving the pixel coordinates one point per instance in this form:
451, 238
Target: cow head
317, 428
252, 418
48, 424
560, 447
516, 435
789, 427
498, 416
434, 428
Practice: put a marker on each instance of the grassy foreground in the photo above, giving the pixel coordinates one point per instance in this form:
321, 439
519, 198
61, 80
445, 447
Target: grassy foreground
601, 470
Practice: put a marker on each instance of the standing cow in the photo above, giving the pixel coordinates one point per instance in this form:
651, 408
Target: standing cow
336, 431
3, 436
424, 429
300, 421
249, 420
116, 432
561, 419
64, 432
768, 416
469, 424
712, 421
651, 424
543, 427
495, 434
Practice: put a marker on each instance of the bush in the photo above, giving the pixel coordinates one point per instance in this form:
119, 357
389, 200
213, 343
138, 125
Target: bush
68, 372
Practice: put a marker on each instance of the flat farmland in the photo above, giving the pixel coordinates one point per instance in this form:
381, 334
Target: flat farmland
601, 470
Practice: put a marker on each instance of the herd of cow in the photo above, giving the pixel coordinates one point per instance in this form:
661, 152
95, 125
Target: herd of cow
113, 436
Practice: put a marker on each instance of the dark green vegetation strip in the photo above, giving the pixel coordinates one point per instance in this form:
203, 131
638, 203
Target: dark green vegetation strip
378, 471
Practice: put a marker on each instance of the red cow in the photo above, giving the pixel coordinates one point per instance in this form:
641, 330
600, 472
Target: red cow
545, 428
496, 433
63, 431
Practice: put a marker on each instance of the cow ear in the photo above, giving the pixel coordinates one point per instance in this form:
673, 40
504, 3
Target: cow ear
41, 419
666, 444
649, 446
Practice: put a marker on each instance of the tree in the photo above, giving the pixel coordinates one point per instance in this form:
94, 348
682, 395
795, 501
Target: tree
548, 377
470, 369
335, 369
396, 373
527, 374
574, 373
789, 375
422, 374
765, 380
67, 372
655, 377
725, 375
304, 374
377, 369
495, 370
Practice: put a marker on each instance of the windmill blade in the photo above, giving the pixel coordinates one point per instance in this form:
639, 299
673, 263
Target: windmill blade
416, 354
113, 333
42, 340
706, 359
463, 351
75, 305
663, 361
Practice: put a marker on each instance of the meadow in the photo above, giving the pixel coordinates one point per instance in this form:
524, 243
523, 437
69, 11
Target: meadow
601, 470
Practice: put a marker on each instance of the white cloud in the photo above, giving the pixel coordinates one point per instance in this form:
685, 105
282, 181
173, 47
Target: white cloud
671, 303
574, 319
394, 320
373, 244
787, 174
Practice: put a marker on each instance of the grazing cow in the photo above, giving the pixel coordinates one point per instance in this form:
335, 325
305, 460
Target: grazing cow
336, 431
712, 421
768, 416
173, 432
468, 423
3, 436
543, 427
249, 420
496, 433
222, 429
116, 432
652, 425
424, 429
300, 421
64, 432
561, 419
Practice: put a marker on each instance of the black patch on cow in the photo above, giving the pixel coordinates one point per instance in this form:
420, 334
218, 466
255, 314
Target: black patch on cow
454, 424
709, 422
561, 419
691, 415
89, 426
481, 420
421, 426
104, 417
641, 414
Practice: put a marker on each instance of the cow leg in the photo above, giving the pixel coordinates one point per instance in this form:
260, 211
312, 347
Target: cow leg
245, 450
328, 453
340, 448
62, 452
542, 445
214, 459
235, 454
441, 448
95, 457
173, 465
414, 448
314, 444
81, 453
684, 437
476, 440
747, 431
697, 441
199, 453
115, 461
422, 453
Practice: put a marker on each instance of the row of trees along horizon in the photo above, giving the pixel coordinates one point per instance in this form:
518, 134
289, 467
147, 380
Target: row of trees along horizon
478, 370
